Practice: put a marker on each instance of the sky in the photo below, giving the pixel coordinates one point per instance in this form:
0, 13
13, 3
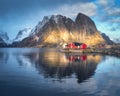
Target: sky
16, 15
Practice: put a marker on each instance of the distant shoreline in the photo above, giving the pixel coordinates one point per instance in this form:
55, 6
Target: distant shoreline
113, 50
108, 50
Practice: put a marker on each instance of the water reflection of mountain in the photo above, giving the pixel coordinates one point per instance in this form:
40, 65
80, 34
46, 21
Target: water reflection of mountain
3, 56
59, 65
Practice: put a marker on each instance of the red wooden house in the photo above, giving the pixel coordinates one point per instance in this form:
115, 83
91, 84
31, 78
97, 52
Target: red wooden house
76, 45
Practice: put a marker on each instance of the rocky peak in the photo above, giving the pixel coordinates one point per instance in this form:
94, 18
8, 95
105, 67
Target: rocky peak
40, 25
57, 29
59, 19
53, 22
45, 20
62, 22
84, 23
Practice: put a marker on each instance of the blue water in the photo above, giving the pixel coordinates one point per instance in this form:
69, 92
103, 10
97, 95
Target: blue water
45, 72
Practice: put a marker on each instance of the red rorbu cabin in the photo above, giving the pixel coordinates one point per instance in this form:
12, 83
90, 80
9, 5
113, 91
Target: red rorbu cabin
76, 45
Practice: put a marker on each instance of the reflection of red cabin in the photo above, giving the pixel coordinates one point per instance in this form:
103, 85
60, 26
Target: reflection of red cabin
76, 58
76, 45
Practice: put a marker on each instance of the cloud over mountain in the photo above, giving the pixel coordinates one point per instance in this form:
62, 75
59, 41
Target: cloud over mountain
19, 14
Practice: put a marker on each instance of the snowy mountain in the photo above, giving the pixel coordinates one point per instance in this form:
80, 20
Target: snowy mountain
2, 43
22, 34
57, 29
4, 36
46, 19
40, 25
116, 40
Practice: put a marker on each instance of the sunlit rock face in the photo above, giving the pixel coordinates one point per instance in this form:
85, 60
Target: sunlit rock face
58, 29
87, 31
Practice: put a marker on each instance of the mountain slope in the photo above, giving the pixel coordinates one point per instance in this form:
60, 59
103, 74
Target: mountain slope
22, 34
4, 36
2, 43
110, 42
58, 29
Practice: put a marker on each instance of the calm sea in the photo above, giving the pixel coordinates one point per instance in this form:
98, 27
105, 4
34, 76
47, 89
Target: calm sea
45, 72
